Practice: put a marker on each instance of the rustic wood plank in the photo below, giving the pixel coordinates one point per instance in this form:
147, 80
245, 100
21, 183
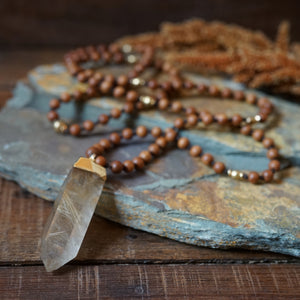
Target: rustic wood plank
23, 215
59, 23
152, 282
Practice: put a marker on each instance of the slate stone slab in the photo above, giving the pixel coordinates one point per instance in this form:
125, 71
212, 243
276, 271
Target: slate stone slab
176, 196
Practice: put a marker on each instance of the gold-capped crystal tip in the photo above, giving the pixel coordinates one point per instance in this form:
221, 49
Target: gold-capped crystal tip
60, 126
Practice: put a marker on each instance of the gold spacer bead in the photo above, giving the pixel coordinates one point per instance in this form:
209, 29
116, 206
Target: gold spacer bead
257, 118
132, 59
137, 81
93, 157
127, 48
148, 101
60, 126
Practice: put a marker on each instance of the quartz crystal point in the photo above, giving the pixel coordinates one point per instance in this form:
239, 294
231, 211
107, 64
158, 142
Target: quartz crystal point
72, 213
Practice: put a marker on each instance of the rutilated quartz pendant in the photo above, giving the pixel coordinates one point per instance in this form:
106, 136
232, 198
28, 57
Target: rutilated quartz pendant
72, 213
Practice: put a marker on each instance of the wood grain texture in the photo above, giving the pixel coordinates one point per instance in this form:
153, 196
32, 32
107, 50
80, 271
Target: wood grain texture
23, 215
62, 22
152, 282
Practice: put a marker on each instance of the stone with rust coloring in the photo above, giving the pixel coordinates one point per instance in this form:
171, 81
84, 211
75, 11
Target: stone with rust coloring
72, 213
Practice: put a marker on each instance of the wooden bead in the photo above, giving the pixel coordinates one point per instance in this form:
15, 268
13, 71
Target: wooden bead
88, 125
105, 143
274, 165
195, 151
246, 130
239, 95
154, 149
179, 123
99, 148
115, 113
116, 166
251, 99
92, 150
105, 87
253, 177
100, 160
52, 115
75, 129
219, 167
141, 131
176, 106
213, 90
78, 95
206, 118
145, 156
65, 97
221, 118
268, 175
128, 107
236, 120
163, 104
191, 110
156, 131
171, 135
268, 142
152, 84
161, 142
109, 78
138, 163
118, 91
202, 88
272, 153
128, 166
258, 134
54, 103
115, 138
103, 119
127, 133
226, 93
192, 120
132, 96
183, 143
207, 158
122, 80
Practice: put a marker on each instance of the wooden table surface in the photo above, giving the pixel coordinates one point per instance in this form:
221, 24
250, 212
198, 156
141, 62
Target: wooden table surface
116, 261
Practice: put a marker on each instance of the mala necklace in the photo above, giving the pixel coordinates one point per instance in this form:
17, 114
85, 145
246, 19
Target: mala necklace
82, 188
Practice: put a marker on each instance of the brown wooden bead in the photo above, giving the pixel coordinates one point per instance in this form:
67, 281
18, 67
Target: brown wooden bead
54, 103
191, 110
268, 175
246, 130
128, 107
127, 133
171, 135
202, 88
81, 77
128, 166
65, 97
141, 131
163, 103
274, 165
145, 156
192, 120
78, 95
166, 86
195, 151
226, 93
272, 153
99, 148
93, 150
105, 143
103, 119
251, 99
116, 166
176, 83
258, 134
156, 131
88, 125
221, 118
239, 95
98, 76
236, 120
109, 78
268, 142
176, 106
213, 90
179, 123
219, 167
207, 158
154, 149
183, 143
115, 138
52, 115
206, 118
105, 86
253, 177
75, 129
132, 96
139, 105
122, 80
100, 160
115, 113
152, 84
161, 142
138, 163
118, 91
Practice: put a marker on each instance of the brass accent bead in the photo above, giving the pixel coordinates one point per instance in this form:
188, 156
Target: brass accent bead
137, 81
235, 174
93, 157
250, 120
132, 59
148, 101
126, 48
257, 118
60, 126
